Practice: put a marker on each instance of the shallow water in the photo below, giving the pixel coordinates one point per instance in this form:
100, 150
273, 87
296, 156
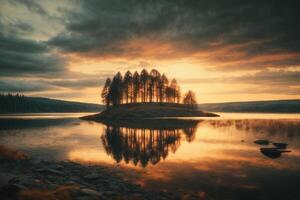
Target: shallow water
215, 158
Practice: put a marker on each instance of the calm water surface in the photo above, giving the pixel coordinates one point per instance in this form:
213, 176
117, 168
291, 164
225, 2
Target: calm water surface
215, 158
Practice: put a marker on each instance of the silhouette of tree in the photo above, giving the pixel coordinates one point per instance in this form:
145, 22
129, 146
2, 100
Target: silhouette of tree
162, 86
153, 85
127, 87
144, 82
105, 91
136, 86
115, 90
174, 91
190, 98
169, 94
143, 87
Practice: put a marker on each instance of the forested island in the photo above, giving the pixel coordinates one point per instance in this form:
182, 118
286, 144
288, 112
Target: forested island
18, 103
143, 88
146, 95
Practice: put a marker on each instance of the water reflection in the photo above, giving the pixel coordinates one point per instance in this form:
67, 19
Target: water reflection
146, 142
217, 157
263, 126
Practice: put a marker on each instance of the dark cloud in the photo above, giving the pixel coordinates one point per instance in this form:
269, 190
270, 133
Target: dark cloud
72, 81
22, 86
17, 27
31, 5
23, 27
280, 90
27, 58
263, 78
253, 27
89, 82
269, 77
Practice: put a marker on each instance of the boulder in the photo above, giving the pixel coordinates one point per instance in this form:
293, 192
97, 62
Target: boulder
262, 142
280, 145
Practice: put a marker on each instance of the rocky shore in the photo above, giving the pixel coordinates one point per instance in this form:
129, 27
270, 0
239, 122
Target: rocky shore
137, 111
31, 179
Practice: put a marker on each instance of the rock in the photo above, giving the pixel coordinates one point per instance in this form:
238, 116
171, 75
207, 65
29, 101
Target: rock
272, 152
6, 178
10, 191
52, 186
92, 176
90, 192
70, 182
280, 145
19, 187
57, 167
75, 179
29, 181
262, 142
49, 170
85, 198
109, 193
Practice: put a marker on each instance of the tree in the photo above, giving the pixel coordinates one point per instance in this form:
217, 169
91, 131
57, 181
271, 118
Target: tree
178, 94
127, 86
105, 91
136, 86
174, 88
153, 86
115, 90
190, 98
162, 85
144, 82
144, 87
169, 94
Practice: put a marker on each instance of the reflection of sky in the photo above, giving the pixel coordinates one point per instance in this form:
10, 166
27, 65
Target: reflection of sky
216, 157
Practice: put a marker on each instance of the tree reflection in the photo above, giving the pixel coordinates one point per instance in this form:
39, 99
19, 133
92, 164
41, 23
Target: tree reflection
144, 145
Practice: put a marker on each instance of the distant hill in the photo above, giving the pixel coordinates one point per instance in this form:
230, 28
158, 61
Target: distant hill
276, 106
22, 104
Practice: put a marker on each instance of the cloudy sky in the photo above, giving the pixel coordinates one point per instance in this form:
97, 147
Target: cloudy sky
223, 50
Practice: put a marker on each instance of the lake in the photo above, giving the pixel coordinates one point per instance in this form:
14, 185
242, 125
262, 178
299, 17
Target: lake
213, 157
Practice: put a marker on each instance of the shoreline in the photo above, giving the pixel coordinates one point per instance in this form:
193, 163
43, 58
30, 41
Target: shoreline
33, 179
148, 111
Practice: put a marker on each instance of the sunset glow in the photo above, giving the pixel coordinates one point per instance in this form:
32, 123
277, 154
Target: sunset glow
66, 49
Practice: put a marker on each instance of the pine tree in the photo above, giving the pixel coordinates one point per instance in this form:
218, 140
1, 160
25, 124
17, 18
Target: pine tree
105, 91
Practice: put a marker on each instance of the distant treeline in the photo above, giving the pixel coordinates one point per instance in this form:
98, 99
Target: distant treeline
276, 106
143, 87
18, 103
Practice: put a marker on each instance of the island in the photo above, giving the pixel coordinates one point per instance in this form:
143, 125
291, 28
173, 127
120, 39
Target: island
146, 96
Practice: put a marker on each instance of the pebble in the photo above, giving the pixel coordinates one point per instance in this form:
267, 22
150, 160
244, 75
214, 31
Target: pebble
49, 170
88, 183
92, 176
5, 178
90, 192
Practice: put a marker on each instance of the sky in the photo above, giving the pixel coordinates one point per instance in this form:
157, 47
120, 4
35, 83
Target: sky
222, 50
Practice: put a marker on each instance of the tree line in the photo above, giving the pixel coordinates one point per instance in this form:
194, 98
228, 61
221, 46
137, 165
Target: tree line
143, 87
18, 103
